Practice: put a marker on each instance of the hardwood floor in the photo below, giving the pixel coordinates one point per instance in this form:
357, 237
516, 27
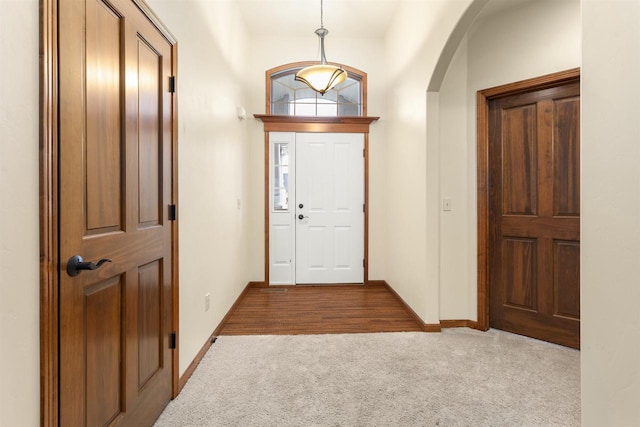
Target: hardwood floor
318, 310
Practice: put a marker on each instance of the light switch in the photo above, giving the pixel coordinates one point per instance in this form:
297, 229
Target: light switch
447, 204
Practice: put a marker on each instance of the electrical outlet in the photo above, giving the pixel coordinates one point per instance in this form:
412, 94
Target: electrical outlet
206, 302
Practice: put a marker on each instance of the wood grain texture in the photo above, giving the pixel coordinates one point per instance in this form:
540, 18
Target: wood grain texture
150, 346
103, 302
533, 203
95, 392
48, 214
103, 141
483, 190
458, 323
566, 279
566, 158
483, 197
520, 257
149, 140
319, 310
50, 70
343, 124
519, 185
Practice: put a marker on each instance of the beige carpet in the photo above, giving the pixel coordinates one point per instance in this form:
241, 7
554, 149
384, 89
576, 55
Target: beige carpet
459, 377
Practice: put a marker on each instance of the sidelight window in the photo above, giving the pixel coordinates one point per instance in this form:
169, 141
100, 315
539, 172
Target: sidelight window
281, 176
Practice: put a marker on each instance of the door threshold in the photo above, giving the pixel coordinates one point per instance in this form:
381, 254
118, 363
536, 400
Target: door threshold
329, 284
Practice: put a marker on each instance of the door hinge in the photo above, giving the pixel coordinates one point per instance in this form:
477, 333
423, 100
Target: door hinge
172, 84
363, 263
363, 209
363, 155
172, 340
172, 212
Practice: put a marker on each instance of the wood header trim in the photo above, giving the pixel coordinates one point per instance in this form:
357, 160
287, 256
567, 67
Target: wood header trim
541, 82
348, 124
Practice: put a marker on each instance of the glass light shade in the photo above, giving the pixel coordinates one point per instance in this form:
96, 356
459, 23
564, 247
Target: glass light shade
321, 78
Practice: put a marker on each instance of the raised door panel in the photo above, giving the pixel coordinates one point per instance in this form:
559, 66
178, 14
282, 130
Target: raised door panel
103, 143
566, 279
519, 161
566, 157
150, 350
520, 279
103, 337
314, 180
314, 253
281, 248
149, 134
343, 247
343, 170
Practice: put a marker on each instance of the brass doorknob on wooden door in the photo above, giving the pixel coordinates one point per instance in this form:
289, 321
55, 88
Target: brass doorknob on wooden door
76, 264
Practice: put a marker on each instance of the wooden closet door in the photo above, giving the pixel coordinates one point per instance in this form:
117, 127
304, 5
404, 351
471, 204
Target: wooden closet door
534, 179
115, 188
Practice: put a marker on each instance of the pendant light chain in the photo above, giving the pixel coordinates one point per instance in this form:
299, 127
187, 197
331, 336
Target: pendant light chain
321, 14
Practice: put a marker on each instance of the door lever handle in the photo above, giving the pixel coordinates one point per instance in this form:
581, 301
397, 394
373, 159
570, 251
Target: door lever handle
76, 264
302, 216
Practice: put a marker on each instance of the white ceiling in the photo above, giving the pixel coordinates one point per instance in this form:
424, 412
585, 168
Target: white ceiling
346, 18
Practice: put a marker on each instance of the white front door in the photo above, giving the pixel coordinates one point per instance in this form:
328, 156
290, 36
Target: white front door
316, 211
329, 208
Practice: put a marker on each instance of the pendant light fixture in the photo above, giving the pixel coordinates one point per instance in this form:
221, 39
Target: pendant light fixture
323, 77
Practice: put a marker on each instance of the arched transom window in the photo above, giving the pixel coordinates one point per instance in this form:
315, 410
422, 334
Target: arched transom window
288, 97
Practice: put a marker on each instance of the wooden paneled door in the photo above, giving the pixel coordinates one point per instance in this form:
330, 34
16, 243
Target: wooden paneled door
534, 211
115, 188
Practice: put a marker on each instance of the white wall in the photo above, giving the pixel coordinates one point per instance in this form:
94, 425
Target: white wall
526, 40
456, 251
19, 247
413, 45
610, 222
212, 148
265, 52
